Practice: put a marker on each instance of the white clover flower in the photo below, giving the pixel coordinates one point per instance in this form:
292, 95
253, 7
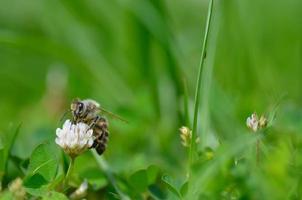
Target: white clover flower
252, 122
74, 139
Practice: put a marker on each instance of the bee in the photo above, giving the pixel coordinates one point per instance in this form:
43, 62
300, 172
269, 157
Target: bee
87, 111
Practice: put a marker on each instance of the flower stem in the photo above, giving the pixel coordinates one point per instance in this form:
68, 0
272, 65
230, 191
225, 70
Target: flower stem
258, 151
192, 149
69, 171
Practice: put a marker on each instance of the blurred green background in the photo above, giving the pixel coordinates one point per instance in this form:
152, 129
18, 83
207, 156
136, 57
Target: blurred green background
135, 56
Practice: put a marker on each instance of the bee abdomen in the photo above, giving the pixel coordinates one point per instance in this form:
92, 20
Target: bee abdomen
102, 135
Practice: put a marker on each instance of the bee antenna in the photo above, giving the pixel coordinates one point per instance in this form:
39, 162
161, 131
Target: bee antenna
113, 115
64, 115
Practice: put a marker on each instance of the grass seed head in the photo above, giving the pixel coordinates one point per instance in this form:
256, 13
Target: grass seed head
263, 122
185, 136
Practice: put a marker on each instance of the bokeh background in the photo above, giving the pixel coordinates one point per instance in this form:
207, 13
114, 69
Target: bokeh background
139, 58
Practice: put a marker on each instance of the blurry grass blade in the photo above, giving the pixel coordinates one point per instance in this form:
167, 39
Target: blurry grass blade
272, 114
7, 144
104, 166
198, 84
186, 103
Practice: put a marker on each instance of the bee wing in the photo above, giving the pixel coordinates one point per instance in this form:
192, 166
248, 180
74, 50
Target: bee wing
113, 115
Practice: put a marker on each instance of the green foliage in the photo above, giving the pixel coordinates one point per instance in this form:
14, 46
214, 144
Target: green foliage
43, 161
172, 185
42, 169
140, 60
6, 196
54, 196
94, 177
6, 144
139, 181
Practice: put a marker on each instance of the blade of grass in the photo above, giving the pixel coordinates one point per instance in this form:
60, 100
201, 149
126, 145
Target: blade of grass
5, 152
104, 166
198, 84
186, 103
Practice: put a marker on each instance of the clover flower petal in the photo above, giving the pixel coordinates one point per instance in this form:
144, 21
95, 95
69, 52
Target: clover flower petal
252, 122
74, 139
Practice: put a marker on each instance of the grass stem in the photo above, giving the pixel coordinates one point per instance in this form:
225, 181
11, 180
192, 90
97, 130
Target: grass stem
258, 151
186, 103
198, 84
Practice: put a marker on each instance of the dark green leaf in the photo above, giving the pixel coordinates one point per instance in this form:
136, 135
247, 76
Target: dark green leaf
156, 192
139, 180
34, 181
152, 172
35, 185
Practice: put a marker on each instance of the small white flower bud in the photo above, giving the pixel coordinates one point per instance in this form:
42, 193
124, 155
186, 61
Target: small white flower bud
185, 135
74, 139
252, 122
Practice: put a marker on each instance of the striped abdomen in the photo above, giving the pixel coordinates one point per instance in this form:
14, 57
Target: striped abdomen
101, 133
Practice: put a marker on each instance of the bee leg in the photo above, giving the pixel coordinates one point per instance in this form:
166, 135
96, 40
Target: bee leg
96, 119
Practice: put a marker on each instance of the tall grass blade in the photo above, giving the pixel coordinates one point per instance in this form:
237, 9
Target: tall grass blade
198, 84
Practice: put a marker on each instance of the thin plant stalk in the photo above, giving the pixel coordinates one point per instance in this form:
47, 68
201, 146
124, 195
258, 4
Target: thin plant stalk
258, 151
186, 117
69, 171
192, 149
104, 166
186, 103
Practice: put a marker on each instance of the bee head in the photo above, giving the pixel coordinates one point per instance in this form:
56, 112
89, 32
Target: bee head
77, 108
